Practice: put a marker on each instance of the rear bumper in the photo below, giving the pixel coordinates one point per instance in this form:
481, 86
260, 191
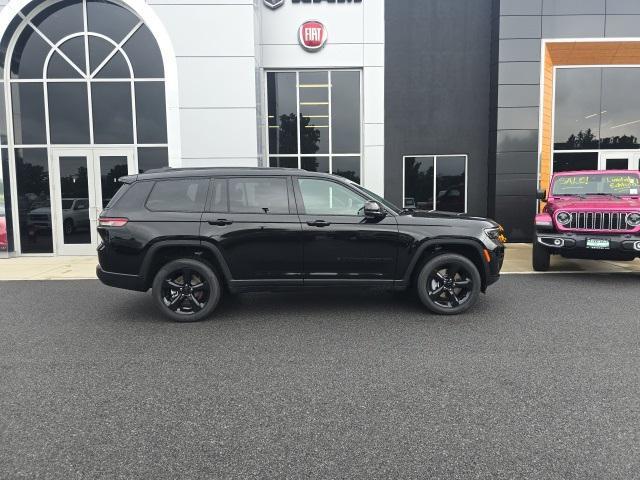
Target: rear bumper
571, 245
121, 280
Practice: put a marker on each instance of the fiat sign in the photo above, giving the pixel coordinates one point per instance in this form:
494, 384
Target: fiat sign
312, 35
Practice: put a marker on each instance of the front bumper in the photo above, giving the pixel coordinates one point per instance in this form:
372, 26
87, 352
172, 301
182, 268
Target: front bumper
624, 247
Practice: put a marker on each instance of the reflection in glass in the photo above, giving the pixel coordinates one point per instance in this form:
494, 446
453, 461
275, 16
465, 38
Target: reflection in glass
28, 113
110, 19
617, 164
323, 197
329, 108
60, 19
150, 158
347, 167
68, 113
282, 113
116, 67
29, 55
74, 50
345, 112
283, 162
314, 112
112, 118
144, 54
111, 169
620, 123
151, 117
99, 49
3, 117
450, 183
34, 201
315, 164
577, 108
258, 195
6, 217
59, 68
418, 182
74, 190
568, 162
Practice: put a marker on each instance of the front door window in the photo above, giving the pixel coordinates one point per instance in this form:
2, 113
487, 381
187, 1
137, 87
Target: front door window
323, 197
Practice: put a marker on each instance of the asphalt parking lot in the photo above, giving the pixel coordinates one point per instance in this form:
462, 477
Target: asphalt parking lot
540, 380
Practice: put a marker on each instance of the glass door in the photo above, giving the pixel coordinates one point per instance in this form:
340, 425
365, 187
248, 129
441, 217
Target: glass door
84, 181
73, 202
619, 160
110, 165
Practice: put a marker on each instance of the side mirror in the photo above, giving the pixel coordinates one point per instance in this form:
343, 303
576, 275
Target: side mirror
373, 210
541, 194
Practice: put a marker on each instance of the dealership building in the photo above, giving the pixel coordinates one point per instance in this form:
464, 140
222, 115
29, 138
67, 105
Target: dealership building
457, 105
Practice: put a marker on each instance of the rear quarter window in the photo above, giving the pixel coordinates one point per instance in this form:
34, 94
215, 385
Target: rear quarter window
131, 197
179, 195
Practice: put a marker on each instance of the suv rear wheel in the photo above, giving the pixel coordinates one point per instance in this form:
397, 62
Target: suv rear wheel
449, 284
186, 290
540, 258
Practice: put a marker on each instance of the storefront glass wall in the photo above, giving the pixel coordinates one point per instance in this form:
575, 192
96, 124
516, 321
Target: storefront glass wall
82, 73
314, 121
596, 110
437, 182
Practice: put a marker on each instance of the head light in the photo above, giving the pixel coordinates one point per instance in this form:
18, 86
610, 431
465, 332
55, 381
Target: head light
563, 218
496, 234
633, 219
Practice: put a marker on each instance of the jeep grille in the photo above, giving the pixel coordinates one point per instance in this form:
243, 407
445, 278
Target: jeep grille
598, 221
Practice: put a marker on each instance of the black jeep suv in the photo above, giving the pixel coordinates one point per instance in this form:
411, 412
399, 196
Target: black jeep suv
189, 234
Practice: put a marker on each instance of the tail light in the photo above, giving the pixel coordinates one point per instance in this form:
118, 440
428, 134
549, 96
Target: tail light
112, 222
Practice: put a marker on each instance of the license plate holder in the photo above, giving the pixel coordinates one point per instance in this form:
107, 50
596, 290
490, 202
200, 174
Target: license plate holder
598, 244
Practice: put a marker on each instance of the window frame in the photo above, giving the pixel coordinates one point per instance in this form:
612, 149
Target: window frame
265, 131
290, 200
435, 177
600, 151
204, 180
14, 28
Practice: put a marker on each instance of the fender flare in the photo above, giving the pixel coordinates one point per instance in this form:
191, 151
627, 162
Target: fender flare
197, 244
444, 241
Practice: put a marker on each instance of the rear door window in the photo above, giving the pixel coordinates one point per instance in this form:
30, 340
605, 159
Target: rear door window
258, 195
179, 195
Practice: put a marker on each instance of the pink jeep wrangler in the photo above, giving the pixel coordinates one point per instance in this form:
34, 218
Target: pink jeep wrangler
589, 214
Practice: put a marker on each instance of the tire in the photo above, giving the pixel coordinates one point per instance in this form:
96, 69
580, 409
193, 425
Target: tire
68, 226
449, 284
186, 303
540, 257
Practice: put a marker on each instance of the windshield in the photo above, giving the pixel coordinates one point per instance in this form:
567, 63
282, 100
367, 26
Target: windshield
67, 204
597, 184
386, 203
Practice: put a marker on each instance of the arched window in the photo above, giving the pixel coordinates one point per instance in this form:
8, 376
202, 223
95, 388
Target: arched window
86, 72
81, 74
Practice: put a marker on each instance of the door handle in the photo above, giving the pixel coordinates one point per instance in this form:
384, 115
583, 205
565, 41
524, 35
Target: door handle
220, 222
318, 223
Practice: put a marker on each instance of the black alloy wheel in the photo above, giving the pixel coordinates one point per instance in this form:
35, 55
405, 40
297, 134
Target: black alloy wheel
186, 290
449, 284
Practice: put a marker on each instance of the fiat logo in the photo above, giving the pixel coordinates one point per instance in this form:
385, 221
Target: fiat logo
312, 35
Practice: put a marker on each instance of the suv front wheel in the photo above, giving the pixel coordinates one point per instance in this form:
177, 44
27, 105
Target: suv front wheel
449, 284
186, 290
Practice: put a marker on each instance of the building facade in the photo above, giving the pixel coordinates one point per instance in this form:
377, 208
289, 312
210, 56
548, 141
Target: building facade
457, 105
